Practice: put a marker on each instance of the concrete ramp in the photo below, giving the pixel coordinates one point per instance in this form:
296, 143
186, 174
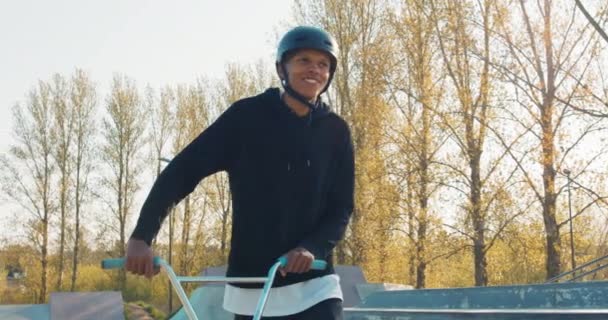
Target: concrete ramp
24, 312
350, 278
556, 301
207, 302
102, 305
583, 295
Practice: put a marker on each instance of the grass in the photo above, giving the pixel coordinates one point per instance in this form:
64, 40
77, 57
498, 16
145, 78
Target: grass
152, 311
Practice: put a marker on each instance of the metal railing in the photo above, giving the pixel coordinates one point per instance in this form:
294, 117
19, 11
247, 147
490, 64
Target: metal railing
547, 311
573, 272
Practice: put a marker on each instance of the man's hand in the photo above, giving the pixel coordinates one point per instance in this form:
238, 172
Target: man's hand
139, 259
299, 260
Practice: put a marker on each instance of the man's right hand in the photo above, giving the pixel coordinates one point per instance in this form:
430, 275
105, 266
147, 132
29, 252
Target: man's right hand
139, 259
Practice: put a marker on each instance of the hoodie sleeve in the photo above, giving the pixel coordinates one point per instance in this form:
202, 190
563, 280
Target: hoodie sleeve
212, 151
340, 205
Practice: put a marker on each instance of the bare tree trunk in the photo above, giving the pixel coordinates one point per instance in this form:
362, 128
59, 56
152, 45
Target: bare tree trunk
357, 253
44, 261
62, 233
186, 223
456, 42
340, 253
476, 145
170, 253
548, 147
547, 78
479, 223
64, 124
411, 226
225, 225
413, 29
551, 227
423, 198
120, 182
421, 253
76, 245
83, 100
44, 174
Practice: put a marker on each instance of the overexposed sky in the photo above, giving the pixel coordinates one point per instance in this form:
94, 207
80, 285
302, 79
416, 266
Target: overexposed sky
151, 41
156, 42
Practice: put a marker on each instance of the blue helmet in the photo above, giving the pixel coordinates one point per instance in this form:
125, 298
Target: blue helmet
306, 37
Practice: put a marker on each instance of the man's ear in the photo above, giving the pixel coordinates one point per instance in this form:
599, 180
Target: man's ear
280, 71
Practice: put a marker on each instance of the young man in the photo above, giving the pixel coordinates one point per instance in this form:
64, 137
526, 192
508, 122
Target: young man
291, 169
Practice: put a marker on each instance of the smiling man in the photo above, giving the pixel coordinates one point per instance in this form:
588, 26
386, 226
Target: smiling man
291, 168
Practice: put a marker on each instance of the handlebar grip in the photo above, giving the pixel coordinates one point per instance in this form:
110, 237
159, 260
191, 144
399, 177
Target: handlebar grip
117, 263
316, 264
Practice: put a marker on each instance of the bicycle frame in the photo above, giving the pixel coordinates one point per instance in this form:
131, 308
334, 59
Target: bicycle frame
176, 281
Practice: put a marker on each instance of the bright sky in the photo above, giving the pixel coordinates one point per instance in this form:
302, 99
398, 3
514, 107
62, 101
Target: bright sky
152, 41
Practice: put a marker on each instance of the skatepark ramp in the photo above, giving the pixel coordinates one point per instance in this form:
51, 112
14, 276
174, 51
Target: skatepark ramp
102, 305
557, 301
364, 301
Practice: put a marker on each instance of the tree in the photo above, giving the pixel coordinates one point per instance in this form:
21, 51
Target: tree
162, 118
467, 64
358, 94
83, 100
415, 94
547, 70
29, 172
192, 116
597, 27
63, 129
123, 130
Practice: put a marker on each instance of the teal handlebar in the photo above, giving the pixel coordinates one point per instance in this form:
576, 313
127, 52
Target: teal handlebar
117, 263
316, 264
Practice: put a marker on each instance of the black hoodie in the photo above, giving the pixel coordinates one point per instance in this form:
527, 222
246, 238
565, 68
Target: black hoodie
291, 178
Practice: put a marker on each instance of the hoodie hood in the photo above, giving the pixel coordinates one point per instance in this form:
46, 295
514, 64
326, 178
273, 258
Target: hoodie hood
272, 97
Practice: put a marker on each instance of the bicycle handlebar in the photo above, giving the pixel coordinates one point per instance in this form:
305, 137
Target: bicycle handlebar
116, 263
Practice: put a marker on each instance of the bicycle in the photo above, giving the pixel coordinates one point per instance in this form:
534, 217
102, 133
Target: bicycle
176, 281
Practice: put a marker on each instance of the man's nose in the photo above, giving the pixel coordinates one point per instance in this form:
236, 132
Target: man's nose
313, 67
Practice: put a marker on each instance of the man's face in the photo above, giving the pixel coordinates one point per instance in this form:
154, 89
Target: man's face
308, 71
